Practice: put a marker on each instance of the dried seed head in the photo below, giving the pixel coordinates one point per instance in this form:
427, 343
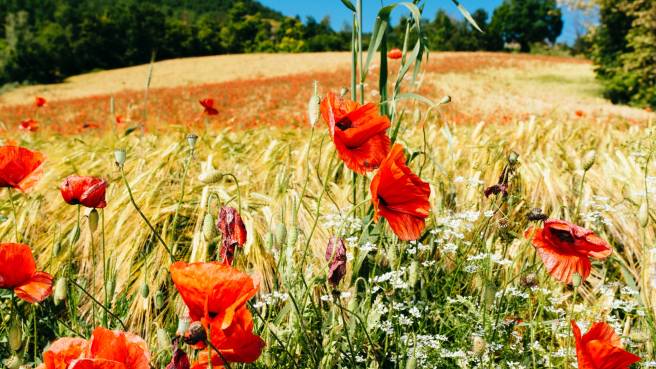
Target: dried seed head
61, 290
15, 334
478, 345
195, 334
119, 157
589, 160
92, 217
209, 231
576, 279
191, 140
643, 214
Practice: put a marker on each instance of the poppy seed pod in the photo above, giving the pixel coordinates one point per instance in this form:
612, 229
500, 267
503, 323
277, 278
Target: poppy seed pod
209, 231
119, 157
589, 160
61, 290
191, 140
15, 334
195, 334
643, 214
93, 220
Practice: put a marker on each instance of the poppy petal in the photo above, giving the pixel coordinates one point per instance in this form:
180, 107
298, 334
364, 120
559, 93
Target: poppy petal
606, 356
20, 168
63, 351
16, 265
119, 346
97, 364
37, 289
562, 266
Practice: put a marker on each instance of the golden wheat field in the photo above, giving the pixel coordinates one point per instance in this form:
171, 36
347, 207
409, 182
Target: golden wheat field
470, 292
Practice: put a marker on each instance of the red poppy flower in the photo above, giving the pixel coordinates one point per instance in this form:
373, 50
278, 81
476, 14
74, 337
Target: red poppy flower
119, 119
579, 113
601, 348
86, 191
359, 132
566, 248
399, 196
18, 272
39, 101
394, 54
105, 349
90, 125
336, 256
216, 295
29, 125
208, 105
233, 230
20, 168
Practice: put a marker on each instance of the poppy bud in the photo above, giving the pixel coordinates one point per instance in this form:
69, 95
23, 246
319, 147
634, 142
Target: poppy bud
210, 177
163, 339
183, 323
343, 91
61, 290
15, 334
281, 234
576, 279
643, 214
478, 345
445, 100
336, 256
144, 290
412, 277
195, 334
209, 232
93, 220
160, 300
191, 140
513, 157
74, 235
292, 237
589, 159
119, 157
13, 362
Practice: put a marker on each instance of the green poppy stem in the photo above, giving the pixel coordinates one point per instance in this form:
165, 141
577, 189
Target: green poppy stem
13, 211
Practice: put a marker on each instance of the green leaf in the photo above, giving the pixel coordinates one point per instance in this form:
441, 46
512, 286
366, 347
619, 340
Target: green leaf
349, 4
377, 36
414, 96
468, 17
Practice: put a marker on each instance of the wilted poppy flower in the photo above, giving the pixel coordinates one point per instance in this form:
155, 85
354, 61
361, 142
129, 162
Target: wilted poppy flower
29, 125
336, 256
85, 191
566, 248
18, 272
39, 101
400, 196
601, 348
180, 360
233, 230
208, 105
105, 349
20, 168
359, 132
216, 295
394, 54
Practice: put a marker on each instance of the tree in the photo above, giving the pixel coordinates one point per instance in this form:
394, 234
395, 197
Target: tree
527, 21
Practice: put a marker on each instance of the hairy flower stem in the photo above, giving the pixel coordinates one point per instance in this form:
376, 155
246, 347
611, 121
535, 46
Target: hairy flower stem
35, 333
125, 328
104, 259
360, 53
580, 200
182, 192
13, 212
93, 278
143, 216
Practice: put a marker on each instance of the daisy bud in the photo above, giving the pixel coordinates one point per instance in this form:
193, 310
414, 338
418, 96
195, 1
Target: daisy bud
643, 214
210, 177
292, 237
74, 235
478, 345
268, 240
195, 334
15, 334
119, 157
191, 140
159, 300
163, 339
61, 290
13, 362
144, 290
93, 220
209, 231
589, 159
576, 279
281, 234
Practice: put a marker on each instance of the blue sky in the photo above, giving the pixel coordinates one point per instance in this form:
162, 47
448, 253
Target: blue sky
339, 14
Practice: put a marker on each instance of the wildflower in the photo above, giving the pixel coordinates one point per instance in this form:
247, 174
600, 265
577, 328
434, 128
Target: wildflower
566, 248
400, 197
119, 119
336, 256
579, 113
20, 168
359, 132
600, 347
105, 349
394, 54
85, 191
39, 101
233, 230
208, 105
216, 295
18, 272
29, 125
